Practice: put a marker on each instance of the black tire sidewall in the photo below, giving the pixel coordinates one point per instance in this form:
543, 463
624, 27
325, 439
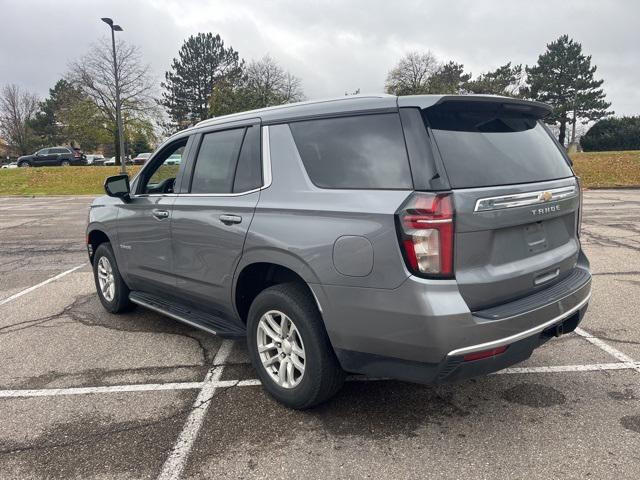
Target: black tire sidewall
121, 297
302, 316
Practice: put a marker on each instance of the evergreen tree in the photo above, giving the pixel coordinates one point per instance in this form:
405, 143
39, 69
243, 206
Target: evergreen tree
203, 61
449, 78
564, 78
505, 80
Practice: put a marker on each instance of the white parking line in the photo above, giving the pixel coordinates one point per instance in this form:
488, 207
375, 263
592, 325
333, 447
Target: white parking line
41, 284
174, 465
140, 387
614, 352
213, 383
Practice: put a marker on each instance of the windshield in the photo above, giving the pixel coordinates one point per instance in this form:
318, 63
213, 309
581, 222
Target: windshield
486, 145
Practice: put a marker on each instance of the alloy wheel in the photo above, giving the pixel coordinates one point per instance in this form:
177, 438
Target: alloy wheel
281, 349
105, 279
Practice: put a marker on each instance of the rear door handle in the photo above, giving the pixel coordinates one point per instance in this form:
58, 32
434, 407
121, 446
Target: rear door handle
230, 219
160, 214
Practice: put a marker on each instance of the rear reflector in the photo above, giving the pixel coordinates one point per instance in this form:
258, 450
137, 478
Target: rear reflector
484, 354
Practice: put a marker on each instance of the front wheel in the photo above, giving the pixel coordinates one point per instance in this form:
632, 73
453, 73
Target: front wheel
290, 349
112, 291
24, 164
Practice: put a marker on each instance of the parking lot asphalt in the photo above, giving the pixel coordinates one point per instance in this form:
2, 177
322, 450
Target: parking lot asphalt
85, 394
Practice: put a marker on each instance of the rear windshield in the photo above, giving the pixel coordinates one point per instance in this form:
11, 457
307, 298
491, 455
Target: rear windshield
486, 145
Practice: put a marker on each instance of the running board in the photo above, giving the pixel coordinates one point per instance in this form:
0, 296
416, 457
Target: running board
196, 318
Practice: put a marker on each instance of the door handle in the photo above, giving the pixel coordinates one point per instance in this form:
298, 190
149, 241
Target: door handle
230, 219
160, 214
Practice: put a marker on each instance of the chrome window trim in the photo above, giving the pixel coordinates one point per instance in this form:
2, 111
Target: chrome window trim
525, 199
266, 176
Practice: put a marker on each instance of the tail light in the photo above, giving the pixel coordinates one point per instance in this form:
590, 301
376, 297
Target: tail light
579, 223
76, 154
425, 229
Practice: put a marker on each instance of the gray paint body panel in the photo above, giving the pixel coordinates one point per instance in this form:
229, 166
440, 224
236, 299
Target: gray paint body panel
343, 243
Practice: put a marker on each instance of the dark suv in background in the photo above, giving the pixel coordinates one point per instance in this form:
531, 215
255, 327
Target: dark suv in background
53, 157
427, 238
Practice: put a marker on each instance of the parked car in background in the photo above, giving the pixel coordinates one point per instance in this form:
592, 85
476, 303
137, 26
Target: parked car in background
426, 238
174, 159
141, 158
95, 160
112, 161
10, 165
53, 157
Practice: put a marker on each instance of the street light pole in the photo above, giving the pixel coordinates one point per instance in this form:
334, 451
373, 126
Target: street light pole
117, 28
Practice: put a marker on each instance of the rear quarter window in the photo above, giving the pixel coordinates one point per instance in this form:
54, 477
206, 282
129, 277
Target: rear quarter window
486, 146
358, 152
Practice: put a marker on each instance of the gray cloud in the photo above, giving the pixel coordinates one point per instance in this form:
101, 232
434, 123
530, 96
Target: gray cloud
333, 46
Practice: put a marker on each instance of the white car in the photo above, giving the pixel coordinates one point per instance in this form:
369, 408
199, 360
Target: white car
110, 162
10, 165
95, 160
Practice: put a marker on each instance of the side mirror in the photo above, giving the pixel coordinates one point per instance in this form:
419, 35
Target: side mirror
118, 186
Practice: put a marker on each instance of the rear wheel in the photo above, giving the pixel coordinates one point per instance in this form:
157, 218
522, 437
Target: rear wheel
65, 163
112, 291
290, 349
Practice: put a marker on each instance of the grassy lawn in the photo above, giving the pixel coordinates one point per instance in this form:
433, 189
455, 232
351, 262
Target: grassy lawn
57, 180
597, 170
608, 169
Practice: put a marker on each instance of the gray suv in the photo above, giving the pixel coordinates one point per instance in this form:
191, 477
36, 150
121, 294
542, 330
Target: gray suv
424, 238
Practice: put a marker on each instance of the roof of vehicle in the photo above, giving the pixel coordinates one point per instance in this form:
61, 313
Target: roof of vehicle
355, 103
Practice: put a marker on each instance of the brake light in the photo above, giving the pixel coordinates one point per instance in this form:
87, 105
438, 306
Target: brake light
76, 154
425, 229
579, 222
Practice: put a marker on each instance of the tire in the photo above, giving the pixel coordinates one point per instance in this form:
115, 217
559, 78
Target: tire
24, 164
65, 163
114, 300
322, 376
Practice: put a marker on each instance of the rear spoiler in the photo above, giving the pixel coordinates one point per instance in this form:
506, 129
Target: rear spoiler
527, 107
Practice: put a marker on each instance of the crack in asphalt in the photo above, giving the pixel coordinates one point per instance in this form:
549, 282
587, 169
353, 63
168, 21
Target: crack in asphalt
138, 425
79, 311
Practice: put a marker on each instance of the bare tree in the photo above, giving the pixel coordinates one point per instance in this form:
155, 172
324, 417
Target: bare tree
93, 74
17, 108
411, 75
267, 83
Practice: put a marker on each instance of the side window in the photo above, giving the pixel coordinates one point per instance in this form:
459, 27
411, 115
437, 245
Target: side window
216, 161
44, 151
365, 151
58, 150
161, 176
249, 170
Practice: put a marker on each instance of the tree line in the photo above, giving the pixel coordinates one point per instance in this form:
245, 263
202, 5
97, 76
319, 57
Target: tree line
563, 77
209, 78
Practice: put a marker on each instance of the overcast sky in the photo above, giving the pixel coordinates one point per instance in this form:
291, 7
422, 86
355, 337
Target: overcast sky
333, 46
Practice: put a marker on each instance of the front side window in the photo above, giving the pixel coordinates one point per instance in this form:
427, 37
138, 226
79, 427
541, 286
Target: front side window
363, 152
43, 151
216, 161
161, 176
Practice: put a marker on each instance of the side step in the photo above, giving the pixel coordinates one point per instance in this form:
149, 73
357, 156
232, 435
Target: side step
191, 316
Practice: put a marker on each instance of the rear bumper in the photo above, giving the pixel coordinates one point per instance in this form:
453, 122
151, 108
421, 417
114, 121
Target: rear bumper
422, 330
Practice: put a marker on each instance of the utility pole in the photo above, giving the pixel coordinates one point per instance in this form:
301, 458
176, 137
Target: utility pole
117, 28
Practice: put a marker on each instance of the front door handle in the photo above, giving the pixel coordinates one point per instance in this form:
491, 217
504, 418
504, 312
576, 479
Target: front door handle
160, 214
230, 219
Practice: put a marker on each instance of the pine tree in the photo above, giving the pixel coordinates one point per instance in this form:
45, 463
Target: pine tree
564, 78
203, 61
504, 80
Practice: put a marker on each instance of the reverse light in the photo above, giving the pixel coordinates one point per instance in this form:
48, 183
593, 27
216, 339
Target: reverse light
425, 228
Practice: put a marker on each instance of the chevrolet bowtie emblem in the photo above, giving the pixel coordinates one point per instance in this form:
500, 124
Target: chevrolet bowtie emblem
545, 196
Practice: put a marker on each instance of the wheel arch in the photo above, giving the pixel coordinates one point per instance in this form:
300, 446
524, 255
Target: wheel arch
252, 278
95, 237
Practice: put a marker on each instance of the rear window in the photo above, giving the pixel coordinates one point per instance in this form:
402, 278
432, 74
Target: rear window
484, 145
362, 152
